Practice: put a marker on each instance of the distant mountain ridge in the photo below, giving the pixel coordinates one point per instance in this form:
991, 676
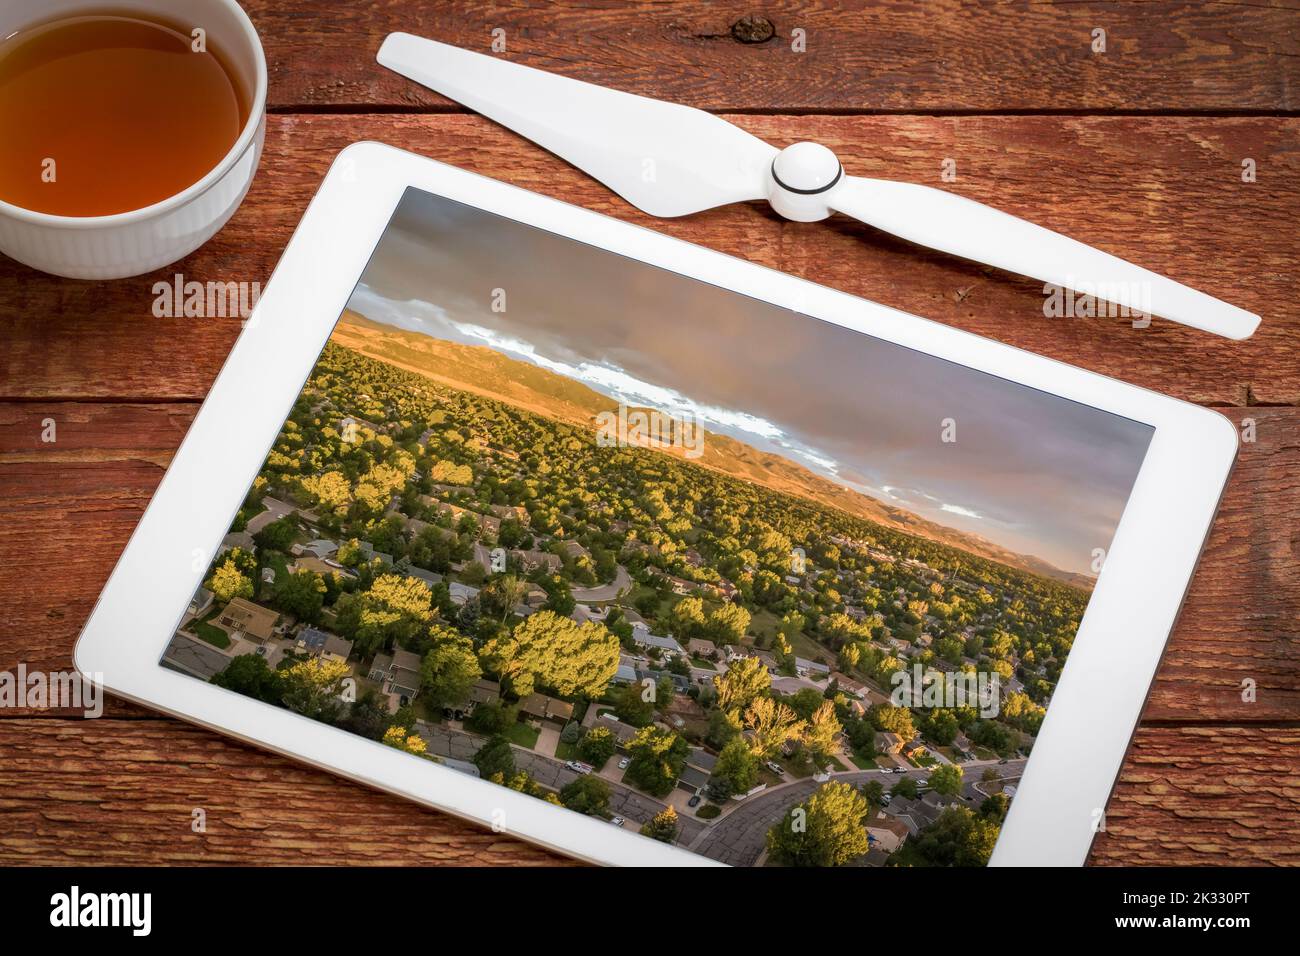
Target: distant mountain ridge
481, 370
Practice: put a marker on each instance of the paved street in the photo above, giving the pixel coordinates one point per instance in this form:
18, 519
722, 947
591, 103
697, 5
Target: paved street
605, 592
636, 807
739, 837
275, 510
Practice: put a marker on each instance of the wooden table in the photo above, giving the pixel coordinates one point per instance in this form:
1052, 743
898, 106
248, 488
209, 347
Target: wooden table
1138, 150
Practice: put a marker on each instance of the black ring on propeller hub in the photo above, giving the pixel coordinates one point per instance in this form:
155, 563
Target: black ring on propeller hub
807, 192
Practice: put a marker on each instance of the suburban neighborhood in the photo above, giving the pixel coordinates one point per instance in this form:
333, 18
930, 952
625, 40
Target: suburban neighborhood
684, 653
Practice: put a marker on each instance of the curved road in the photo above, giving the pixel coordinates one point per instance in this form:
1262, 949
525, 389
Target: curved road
604, 592
739, 837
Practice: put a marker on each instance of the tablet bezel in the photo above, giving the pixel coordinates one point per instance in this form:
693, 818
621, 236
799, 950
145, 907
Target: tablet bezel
1104, 685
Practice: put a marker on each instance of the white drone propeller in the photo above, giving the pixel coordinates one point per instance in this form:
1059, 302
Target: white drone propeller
672, 160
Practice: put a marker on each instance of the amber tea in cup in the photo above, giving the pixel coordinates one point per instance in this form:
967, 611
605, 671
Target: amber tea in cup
104, 113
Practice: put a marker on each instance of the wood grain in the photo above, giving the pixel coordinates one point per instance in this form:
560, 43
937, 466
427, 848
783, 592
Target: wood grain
1165, 192
124, 792
72, 505
912, 55
1137, 150
115, 791
1205, 796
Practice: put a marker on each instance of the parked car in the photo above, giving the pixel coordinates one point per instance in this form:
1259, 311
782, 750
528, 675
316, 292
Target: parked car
617, 821
622, 764
776, 768
694, 801
578, 766
609, 715
886, 800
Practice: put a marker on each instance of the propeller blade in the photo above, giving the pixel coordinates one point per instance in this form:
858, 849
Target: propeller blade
951, 223
665, 159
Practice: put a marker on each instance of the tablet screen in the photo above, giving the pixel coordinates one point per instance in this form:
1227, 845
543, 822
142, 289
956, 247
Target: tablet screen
740, 580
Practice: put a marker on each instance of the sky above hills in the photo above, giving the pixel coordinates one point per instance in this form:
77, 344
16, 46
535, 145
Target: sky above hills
1033, 473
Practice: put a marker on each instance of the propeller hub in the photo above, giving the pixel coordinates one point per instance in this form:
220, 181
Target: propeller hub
801, 177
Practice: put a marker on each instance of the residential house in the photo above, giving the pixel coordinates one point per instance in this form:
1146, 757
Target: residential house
321, 566
242, 619
320, 548
643, 638
488, 523
370, 553
813, 669
311, 640
483, 691
398, 674
200, 602
573, 549
336, 649
624, 733
461, 593
888, 743
692, 779
735, 652
913, 749
857, 613
916, 815
681, 683
626, 674
681, 585
420, 574
886, 833
854, 688
237, 539
699, 647
507, 512
542, 707
531, 561
699, 757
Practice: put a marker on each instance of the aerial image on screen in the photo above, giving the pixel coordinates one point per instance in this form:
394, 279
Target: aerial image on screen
752, 584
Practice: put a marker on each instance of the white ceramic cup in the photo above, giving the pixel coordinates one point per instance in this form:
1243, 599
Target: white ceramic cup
139, 241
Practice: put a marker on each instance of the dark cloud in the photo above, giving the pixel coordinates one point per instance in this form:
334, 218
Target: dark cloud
1030, 471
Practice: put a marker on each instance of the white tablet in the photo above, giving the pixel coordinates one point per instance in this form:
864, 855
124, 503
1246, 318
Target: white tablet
655, 556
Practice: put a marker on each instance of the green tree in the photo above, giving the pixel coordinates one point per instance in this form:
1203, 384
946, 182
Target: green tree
662, 826
587, 794
874, 793
687, 618
248, 674
946, 779
495, 757
736, 769
597, 746
728, 624
277, 536
957, 838
821, 733
894, 720
227, 583
770, 724
658, 757
394, 609
314, 687
551, 651
905, 788
449, 670
301, 594
825, 830
745, 680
